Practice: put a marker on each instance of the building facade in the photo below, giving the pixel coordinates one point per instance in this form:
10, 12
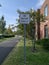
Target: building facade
44, 26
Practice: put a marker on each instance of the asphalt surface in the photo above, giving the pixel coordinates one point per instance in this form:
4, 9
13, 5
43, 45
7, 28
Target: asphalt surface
6, 47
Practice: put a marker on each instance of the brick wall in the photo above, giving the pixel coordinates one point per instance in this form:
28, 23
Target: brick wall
42, 24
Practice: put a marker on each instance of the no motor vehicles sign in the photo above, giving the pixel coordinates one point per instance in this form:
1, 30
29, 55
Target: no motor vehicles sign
24, 18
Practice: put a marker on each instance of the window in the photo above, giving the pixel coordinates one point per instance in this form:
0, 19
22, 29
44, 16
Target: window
46, 31
46, 11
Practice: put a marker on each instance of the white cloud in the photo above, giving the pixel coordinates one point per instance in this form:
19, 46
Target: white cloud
39, 4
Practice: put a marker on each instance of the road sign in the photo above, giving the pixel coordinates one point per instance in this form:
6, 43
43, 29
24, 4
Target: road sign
24, 18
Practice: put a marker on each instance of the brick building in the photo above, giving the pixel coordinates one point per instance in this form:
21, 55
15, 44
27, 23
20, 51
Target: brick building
44, 26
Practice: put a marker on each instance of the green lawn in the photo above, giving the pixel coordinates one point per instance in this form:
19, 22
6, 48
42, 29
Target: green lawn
16, 57
4, 39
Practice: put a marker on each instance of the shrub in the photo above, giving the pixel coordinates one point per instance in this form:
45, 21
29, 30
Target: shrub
1, 36
8, 36
39, 42
44, 43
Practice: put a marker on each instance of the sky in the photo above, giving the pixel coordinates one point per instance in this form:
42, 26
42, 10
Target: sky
9, 8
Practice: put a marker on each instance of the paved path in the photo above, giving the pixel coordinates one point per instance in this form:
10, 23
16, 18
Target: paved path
6, 47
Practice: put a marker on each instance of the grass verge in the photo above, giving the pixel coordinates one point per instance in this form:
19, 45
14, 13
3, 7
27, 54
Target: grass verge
4, 39
16, 57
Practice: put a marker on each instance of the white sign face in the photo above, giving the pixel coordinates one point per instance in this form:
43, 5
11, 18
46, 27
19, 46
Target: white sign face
24, 18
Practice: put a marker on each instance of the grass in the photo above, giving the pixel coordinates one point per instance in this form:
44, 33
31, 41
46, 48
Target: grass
16, 57
3, 39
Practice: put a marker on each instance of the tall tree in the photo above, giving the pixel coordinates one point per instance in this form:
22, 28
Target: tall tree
39, 18
36, 18
9, 30
29, 27
2, 24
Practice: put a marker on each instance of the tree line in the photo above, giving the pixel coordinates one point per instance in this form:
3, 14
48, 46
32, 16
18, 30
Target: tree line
3, 29
36, 17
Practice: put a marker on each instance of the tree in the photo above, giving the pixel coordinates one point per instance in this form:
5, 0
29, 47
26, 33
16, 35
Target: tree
2, 25
39, 18
9, 30
29, 27
36, 18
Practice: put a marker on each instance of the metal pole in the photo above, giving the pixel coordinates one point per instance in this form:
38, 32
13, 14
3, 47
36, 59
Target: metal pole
24, 44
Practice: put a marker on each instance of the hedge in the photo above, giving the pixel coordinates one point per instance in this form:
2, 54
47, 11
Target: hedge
44, 43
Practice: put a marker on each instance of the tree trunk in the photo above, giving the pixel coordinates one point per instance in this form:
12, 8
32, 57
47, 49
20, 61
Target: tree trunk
38, 30
38, 24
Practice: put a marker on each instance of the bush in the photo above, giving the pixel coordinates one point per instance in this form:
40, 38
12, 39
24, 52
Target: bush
39, 42
1, 36
8, 36
44, 43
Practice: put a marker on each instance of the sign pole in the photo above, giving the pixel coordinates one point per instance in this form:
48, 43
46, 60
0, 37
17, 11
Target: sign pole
25, 44
24, 19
